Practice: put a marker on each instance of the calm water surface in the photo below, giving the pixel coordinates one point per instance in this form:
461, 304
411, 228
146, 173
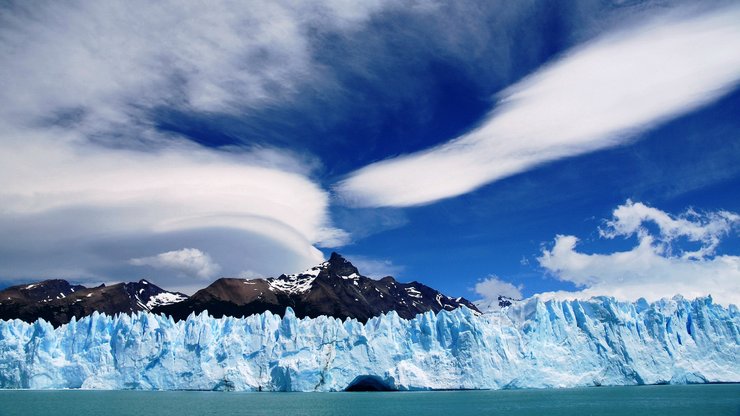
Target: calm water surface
704, 400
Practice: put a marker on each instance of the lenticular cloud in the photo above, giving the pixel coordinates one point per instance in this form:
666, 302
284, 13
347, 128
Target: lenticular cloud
598, 95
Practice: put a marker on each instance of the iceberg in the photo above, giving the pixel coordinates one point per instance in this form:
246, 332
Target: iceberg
532, 344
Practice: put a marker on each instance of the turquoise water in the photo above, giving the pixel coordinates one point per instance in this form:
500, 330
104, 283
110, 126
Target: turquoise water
704, 400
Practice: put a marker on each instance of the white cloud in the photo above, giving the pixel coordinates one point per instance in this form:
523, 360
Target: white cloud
189, 261
598, 95
250, 274
492, 287
87, 182
649, 270
375, 268
62, 187
107, 61
707, 229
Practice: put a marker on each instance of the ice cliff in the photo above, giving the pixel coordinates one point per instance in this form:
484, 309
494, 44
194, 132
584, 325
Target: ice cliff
532, 344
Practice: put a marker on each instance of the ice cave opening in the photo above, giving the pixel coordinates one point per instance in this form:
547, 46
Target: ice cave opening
368, 383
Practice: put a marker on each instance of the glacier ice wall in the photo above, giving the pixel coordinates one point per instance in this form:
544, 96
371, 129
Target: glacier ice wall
534, 344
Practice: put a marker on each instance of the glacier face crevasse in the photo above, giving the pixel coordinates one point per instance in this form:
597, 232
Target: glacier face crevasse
533, 344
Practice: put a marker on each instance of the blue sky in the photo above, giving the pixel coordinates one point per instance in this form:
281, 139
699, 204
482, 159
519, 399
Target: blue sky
462, 145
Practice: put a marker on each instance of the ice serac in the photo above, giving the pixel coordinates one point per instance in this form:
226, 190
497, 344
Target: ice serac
532, 343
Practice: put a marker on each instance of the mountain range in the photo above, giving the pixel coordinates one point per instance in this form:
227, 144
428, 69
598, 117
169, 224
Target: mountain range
333, 288
57, 301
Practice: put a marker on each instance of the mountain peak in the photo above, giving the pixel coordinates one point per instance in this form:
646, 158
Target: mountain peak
340, 266
334, 256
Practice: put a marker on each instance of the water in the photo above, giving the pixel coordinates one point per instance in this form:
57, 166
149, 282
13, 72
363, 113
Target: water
705, 400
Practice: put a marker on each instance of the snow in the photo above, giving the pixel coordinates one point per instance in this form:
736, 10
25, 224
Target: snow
297, 283
413, 292
292, 283
30, 286
313, 271
164, 298
533, 343
352, 276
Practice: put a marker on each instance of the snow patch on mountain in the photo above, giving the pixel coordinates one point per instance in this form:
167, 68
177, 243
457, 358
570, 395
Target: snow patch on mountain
292, 284
413, 292
165, 298
351, 276
297, 283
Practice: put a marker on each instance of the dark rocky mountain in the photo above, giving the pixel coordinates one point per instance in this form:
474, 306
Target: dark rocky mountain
57, 301
335, 288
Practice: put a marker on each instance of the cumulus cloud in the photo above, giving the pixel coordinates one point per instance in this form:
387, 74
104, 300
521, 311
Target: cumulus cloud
599, 94
707, 229
189, 261
492, 287
651, 269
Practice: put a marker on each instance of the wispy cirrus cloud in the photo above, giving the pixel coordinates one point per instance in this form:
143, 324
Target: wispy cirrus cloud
597, 95
656, 267
105, 64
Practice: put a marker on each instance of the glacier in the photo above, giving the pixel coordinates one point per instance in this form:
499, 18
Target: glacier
535, 343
